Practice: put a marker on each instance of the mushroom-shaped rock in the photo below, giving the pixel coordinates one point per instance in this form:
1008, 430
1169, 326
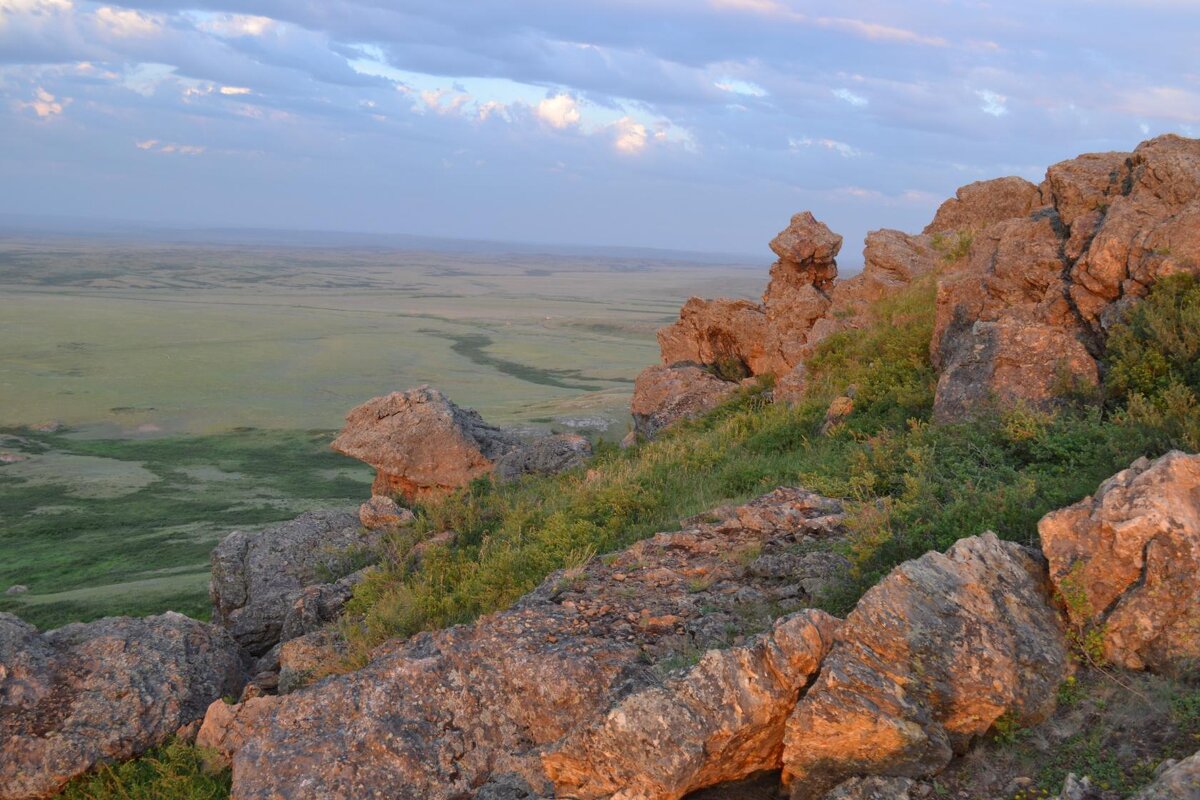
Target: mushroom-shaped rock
1127, 562
807, 243
930, 658
665, 395
420, 443
102, 691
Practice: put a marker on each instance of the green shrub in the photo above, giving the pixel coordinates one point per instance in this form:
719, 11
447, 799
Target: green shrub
174, 771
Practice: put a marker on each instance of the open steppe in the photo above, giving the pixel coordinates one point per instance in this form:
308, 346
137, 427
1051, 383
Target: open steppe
199, 385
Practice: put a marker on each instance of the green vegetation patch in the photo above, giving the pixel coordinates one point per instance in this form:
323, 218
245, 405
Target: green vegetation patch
174, 771
95, 527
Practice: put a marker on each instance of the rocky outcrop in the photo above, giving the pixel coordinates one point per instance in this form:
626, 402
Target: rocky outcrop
733, 333
1127, 563
102, 691
929, 659
719, 721
1175, 780
548, 455
983, 203
665, 395
257, 577
384, 512
421, 444
467, 710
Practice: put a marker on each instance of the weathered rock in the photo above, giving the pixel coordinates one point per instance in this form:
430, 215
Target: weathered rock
1075, 788
445, 713
1006, 362
421, 444
548, 455
317, 605
721, 720
665, 395
1149, 229
308, 657
16, 589
1127, 562
384, 512
930, 658
729, 332
256, 577
1175, 780
1085, 184
872, 788
807, 244
983, 203
102, 691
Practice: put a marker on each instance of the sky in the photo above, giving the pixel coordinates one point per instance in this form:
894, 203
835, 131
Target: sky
682, 124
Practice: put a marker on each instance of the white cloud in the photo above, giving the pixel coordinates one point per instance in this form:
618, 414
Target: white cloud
841, 148
631, 135
233, 25
850, 97
876, 32
148, 144
46, 105
735, 86
169, 148
561, 111
994, 104
125, 23
1162, 102
234, 90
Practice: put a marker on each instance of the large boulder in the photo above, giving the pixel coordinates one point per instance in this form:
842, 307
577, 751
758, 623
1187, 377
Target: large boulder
983, 203
109, 690
1176, 780
728, 332
258, 576
470, 710
665, 395
421, 444
1127, 563
930, 658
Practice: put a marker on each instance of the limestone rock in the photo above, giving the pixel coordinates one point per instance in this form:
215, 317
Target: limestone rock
548, 455
1127, 561
1175, 781
984, 203
384, 512
445, 713
102, 691
256, 577
930, 658
420, 443
719, 721
665, 395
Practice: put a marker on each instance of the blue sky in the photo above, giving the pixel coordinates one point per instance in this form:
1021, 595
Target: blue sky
693, 124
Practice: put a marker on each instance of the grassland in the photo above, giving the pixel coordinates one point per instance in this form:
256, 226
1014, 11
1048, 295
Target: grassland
199, 386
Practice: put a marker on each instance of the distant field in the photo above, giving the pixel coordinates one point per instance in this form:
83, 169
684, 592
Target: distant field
155, 355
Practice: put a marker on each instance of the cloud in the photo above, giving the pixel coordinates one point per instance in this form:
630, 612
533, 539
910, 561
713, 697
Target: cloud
877, 32
234, 90
1162, 102
169, 148
560, 111
850, 97
994, 104
841, 148
630, 135
46, 105
125, 23
237, 25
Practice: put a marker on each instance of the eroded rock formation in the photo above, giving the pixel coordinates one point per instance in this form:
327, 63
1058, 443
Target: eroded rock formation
1127, 563
665, 395
257, 577
929, 659
449, 713
420, 443
102, 691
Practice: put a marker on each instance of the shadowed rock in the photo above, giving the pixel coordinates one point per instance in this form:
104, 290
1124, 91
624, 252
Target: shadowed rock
548, 455
257, 577
469, 710
930, 658
102, 691
1127, 562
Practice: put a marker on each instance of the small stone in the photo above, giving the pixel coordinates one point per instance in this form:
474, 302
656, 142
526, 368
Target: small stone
16, 589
